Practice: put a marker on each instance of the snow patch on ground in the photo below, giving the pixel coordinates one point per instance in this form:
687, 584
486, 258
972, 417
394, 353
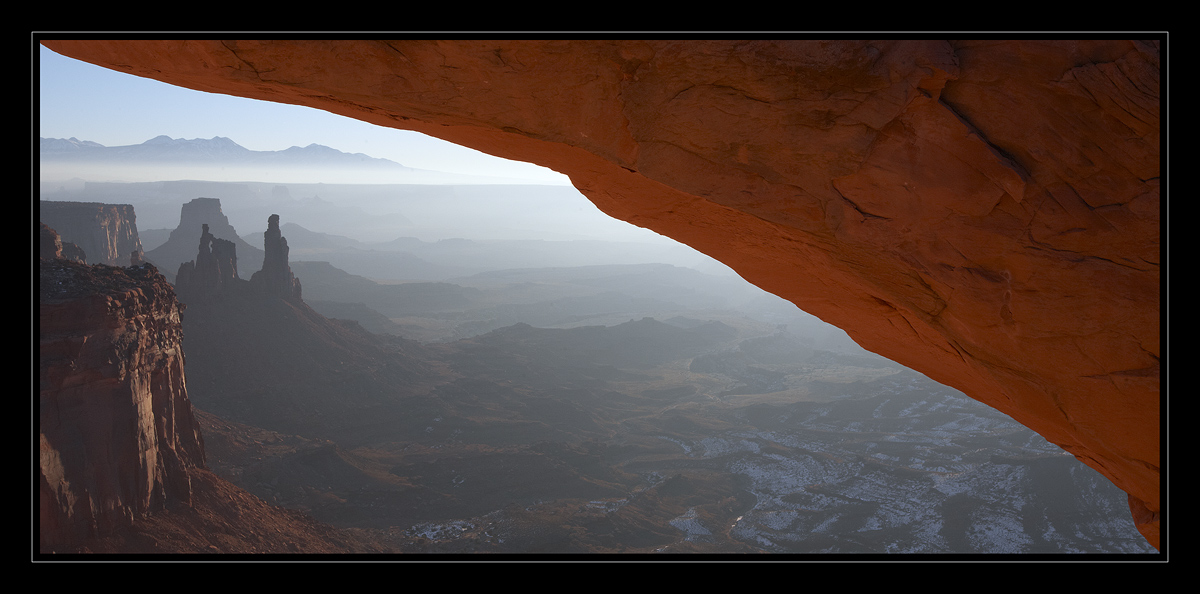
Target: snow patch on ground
998, 533
441, 530
716, 446
690, 525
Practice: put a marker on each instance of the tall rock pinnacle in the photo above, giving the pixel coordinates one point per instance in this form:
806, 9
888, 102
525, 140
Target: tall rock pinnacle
215, 267
276, 276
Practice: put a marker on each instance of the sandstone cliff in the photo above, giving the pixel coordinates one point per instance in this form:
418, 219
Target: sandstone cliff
984, 212
107, 233
117, 435
121, 458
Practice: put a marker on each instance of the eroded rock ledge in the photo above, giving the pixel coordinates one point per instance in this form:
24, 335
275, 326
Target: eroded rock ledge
117, 438
986, 212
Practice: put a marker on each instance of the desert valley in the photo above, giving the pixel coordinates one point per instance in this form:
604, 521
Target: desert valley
455, 404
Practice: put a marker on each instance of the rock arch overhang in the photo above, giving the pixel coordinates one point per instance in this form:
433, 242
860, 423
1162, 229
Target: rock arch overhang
986, 212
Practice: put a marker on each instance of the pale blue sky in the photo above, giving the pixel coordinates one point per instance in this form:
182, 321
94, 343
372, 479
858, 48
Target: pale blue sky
88, 102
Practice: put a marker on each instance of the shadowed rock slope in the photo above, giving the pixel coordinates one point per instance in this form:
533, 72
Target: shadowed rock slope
258, 353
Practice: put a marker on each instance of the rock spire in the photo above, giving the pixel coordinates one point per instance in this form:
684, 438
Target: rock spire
276, 276
215, 267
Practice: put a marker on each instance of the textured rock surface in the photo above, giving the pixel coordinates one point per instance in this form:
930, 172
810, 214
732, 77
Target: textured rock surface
107, 233
986, 212
117, 435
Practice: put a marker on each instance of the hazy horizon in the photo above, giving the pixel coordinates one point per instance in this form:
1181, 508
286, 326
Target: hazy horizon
91, 103
64, 173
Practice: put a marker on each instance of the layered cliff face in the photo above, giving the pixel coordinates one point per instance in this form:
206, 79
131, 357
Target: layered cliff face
984, 212
117, 437
121, 457
107, 233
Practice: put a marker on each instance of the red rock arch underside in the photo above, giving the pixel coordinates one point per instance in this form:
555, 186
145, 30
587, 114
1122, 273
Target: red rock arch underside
985, 212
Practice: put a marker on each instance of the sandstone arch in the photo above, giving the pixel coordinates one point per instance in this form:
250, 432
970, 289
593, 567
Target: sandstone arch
986, 212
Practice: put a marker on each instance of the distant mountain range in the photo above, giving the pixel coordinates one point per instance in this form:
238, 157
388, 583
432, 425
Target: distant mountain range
221, 159
213, 151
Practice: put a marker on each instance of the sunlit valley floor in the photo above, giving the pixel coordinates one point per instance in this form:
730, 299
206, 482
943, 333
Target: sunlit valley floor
633, 408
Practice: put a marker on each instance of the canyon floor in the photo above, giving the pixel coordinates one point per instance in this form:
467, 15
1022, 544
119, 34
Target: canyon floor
716, 436
594, 410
